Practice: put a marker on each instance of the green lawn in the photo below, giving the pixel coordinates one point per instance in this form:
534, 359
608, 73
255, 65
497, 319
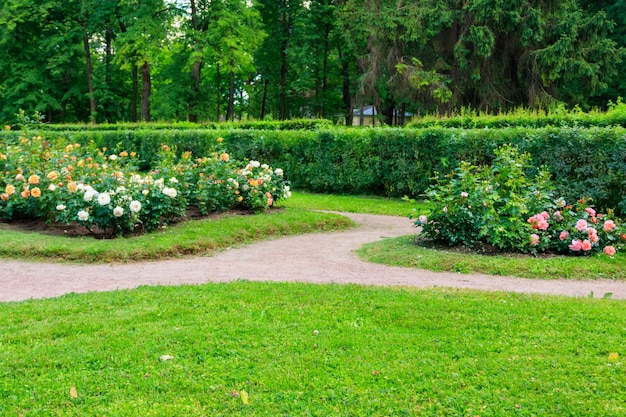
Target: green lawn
404, 251
189, 238
311, 350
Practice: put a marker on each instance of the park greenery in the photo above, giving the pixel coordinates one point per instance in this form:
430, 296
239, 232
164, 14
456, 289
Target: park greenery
266, 349
201, 60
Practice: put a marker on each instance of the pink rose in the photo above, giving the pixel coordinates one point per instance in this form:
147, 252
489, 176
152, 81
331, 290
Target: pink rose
609, 250
558, 216
534, 239
576, 245
594, 220
594, 238
464, 194
564, 234
423, 219
590, 211
608, 226
581, 225
542, 224
586, 245
545, 215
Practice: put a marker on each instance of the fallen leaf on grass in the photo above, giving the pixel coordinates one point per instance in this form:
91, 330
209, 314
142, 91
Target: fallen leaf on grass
244, 397
614, 357
166, 357
73, 392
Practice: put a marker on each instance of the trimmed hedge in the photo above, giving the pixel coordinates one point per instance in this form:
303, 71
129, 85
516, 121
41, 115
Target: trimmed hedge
396, 162
295, 124
616, 116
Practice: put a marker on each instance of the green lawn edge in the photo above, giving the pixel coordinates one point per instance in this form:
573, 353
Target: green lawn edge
194, 237
404, 252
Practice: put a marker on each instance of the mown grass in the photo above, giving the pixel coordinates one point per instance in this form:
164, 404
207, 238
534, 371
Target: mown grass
311, 350
404, 251
188, 238
351, 204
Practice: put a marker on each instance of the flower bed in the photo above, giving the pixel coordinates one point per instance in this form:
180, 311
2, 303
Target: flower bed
104, 191
501, 207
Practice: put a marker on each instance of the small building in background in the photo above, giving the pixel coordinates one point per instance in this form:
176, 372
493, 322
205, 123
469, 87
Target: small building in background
368, 116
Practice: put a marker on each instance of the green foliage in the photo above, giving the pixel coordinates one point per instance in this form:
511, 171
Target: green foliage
614, 116
487, 204
396, 162
294, 124
101, 188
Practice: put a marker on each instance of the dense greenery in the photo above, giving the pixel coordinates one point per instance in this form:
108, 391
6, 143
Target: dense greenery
395, 162
267, 349
614, 116
200, 60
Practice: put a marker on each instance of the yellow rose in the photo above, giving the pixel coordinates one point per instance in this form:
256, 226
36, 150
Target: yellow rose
52, 175
9, 189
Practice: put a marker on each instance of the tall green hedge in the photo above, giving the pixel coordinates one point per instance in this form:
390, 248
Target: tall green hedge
294, 124
615, 116
395, 162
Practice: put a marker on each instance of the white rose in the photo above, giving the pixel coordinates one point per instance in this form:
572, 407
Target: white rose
135, 206
83, 216
278, 172
52, 187
89, 195
113, 157
118, 211
104, 199
60, 207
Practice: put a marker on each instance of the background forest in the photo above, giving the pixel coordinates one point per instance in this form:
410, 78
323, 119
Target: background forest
209, 60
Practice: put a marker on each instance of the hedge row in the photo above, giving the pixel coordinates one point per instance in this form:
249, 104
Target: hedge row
295, 124
615, 116
396, 162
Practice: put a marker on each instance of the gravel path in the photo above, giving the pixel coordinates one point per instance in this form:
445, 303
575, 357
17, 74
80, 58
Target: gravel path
315, 258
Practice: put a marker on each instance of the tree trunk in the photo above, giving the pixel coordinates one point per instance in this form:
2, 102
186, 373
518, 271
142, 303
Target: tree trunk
218, 98
92, 97
196, 69
284, 43
146, 86
230, 112
133, 101
347, 98
263, 100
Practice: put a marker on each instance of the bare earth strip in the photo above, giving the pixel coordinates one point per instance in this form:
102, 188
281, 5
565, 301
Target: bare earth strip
314, 258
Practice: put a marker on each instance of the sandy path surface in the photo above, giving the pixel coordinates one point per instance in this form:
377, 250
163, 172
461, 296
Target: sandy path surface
314, 258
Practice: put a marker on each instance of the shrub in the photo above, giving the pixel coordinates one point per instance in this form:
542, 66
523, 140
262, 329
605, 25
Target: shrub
105, 191
486, 204
501, 206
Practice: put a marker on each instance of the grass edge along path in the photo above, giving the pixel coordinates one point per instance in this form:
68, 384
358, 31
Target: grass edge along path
195, 237
405, 252
266, 349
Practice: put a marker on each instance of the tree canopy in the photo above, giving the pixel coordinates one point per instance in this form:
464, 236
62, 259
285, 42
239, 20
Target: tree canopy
208, 60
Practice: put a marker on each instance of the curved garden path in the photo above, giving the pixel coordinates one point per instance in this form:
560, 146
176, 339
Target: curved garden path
315, 258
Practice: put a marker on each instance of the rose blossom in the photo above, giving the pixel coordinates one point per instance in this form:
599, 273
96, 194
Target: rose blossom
564, 234
464, 194
576, 245
558, 216
609, 250
534, 239
118, 211
590, 211
542, 224
60, 207
545, 215
581, 225
608, 226
586, 246
104, 199
423, 219
83, 215
135, 206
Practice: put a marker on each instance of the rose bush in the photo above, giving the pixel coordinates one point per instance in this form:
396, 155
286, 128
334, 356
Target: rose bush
103, 189
502, 207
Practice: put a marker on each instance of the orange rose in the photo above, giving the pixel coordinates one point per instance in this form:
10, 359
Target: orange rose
220, 140
72, 187
25, 193
224, 157
4, 197
52, 175
9, 189
35, 192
